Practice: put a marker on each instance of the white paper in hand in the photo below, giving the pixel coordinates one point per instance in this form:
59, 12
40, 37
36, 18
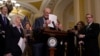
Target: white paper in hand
21, 44
52, 18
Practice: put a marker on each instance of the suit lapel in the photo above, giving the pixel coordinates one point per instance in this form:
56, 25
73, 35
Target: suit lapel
2, 22
89, 27
16, 30
41, 22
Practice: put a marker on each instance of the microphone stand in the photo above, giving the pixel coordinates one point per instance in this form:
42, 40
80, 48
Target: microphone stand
81, 48
65, 53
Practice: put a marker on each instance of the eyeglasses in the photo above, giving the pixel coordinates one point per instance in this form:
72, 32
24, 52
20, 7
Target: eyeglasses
88, 17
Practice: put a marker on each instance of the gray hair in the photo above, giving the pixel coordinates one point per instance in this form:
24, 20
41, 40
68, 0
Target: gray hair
13, 18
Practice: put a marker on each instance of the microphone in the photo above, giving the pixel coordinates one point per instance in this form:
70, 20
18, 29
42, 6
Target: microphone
54, 24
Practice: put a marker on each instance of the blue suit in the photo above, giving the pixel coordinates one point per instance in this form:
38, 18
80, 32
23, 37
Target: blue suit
38, 23
38, 46
37, 27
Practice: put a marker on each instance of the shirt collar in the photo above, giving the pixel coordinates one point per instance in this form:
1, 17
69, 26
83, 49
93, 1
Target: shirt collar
90, 23
3, 15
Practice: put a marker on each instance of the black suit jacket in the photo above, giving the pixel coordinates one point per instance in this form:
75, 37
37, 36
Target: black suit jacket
3, 35
91, 39
3, 26
93, 31
12, 41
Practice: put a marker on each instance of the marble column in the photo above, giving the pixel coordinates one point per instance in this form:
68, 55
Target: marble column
87, 6
97, 11
76, 11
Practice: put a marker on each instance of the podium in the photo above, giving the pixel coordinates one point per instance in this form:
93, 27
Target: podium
53, 33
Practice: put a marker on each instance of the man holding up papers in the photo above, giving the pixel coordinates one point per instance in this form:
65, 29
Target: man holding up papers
49, 20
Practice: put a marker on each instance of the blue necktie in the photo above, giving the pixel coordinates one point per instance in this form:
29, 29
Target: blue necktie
5, 20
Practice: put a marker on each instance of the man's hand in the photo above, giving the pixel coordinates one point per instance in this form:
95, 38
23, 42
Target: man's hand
80, 42
47, 21
59, 26
8, 54
81, 36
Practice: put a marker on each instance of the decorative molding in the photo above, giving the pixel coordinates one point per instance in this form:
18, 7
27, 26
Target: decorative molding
36, 4
27, 1
29, 7
44, 4
52, 4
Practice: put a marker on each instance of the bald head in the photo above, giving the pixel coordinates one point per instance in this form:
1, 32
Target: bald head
46, 12
47, 9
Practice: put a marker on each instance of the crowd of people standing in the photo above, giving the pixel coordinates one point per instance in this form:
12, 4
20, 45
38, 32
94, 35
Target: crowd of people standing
80, 40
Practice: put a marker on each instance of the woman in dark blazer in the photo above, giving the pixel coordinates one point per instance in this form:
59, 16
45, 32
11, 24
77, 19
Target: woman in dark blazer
14, 35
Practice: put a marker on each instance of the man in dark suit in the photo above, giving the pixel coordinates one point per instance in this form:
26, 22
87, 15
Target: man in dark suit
39, 24
40, 39
90, 35
4, 25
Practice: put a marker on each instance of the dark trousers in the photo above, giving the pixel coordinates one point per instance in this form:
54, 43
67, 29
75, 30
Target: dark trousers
37, 49
2, 46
